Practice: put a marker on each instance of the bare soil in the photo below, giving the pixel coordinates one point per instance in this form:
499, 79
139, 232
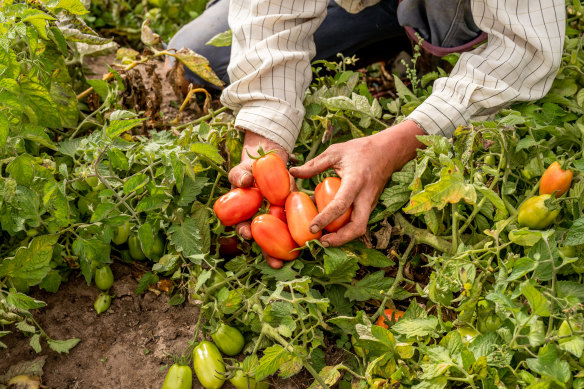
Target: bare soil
125, 347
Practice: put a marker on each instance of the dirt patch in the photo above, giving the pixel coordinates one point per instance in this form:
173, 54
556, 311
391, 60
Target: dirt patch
125, 347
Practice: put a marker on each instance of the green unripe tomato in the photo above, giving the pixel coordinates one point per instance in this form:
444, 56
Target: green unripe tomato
533, 213
243, 381
526, 173
92, 181
490, 160
568, 251
135, 248
121, 234
102, 303
209, 365
492, 322
228, 339
104, 278
467, 334
157, 249
178, 377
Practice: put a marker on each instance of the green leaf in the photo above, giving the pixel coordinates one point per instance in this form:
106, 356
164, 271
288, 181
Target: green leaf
118, 127
136, 182
570, 289
9, 67
21, 169
45, 112
63, 346
146, 235
450, 189
22, 301
207, 151
74, 6
186, 237
369, 287
146, 280
51, 282
521, 267
539, 305
151, 203
222, 39
4, 130
35, 343
198, 65
274, 357
31, 264
38, 135
329, 374
338, 266
102, 211
191, 190
575, 235
393, 199
417, 327
549, 365
66, 101
501, 211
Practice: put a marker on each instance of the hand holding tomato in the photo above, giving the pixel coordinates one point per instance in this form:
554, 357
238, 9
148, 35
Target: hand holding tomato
365, 165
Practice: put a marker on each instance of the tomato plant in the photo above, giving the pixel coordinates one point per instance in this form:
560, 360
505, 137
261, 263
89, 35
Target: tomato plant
273, 236
300, 210
178, 377
534, 213
325, 193
228, 339
238, 205
271, 176
209, 365
555, 179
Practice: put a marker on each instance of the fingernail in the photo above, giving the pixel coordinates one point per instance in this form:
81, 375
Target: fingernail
314, 229
325, 244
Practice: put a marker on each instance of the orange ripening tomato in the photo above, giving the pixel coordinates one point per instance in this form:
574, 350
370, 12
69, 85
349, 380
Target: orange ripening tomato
279, 212
325, 193
392, 314
272, 235
238, 205
271, 176
300, 210
555, 179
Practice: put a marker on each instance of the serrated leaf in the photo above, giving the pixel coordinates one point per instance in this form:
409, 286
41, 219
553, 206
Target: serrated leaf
63, 346
338, 266
274, 357
136, 182
146, 280
186, 237
369, 287
118, 127
539, 305
102, 211
416, 327
207, 150
31, 264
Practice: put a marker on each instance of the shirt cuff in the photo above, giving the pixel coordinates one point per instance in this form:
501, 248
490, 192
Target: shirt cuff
440, 115
274, 120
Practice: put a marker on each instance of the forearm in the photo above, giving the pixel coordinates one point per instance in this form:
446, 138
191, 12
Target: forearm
518, 63
270, 64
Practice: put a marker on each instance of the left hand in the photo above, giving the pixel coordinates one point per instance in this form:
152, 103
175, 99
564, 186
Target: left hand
364, 165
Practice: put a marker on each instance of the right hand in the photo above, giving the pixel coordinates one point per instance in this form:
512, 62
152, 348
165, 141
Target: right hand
241, 177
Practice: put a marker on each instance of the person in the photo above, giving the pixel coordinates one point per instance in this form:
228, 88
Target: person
269, 70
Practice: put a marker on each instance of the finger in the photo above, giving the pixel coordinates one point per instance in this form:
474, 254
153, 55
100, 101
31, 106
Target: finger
240, 176
274, 263
244, 229
339, 205
314, 166
354, 229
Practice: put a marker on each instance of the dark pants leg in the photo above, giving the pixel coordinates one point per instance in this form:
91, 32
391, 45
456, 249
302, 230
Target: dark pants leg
373, 33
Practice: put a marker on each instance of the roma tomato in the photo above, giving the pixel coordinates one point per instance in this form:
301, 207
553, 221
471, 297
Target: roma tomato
273, 236
238, 205
272, 178
533, 213
242, 380
209, 365
555, 179
121, 234
178, 377
392, 314
102, 303
135, 248
278, 211
300, 210
228, 339
325, 193
104, 278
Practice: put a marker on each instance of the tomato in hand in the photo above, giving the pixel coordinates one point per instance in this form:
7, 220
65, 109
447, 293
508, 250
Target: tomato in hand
534, 213
121, 234
209, 365
178, 377
104, 278
272, 177
238, 205
278, 211
555, 179
392, 314
228, 339
300, 210
273, 236
325, 193
135, 248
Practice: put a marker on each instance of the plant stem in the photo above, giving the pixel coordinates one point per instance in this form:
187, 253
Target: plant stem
202, 118
421, 236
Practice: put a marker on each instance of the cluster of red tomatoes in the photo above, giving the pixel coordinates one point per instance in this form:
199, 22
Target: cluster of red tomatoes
286, 226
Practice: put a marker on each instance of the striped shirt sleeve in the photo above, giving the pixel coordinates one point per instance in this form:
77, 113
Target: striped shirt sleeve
519, 63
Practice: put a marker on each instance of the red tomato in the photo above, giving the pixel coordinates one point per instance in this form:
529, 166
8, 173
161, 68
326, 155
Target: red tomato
272, 178
272, 235
300, 210
392, 315
555, 178
238, 205
325, 193
278, 211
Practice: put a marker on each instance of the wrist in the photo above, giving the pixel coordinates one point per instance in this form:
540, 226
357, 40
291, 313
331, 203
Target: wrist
253, 141
400, 142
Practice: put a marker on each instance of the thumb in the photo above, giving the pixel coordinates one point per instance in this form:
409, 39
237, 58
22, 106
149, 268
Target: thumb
240, 176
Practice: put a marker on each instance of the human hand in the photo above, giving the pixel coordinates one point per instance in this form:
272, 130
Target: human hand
365, 165
241, 176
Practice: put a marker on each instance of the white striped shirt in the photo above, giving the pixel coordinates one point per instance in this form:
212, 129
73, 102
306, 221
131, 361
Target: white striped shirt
273, 44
